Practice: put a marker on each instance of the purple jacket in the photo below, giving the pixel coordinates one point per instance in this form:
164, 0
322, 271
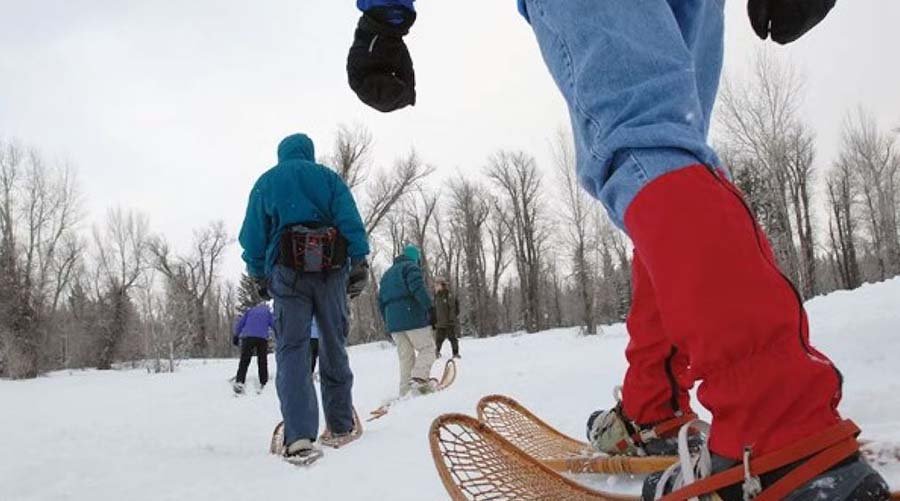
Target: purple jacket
256, 322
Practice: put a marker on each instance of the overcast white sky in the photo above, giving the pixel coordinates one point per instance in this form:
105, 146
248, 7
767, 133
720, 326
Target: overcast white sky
175, 107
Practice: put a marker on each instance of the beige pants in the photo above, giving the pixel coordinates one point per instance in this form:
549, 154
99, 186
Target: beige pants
416, 351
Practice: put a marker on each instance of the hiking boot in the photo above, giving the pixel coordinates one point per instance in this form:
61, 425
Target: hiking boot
422, 386
611, 432
302, 452
457, 356
238, 388
850, 480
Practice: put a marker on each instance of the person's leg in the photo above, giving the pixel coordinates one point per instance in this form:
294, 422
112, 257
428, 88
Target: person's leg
440, 335
244, 363
314, 350
656, 382
454, 341
407, 357
335, 376
630, 84
262, 360
293, 316
423, 343
640, 126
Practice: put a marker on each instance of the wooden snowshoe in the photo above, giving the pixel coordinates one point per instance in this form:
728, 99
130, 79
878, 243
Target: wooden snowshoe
276, 446
447, 379
560, 452
475, 463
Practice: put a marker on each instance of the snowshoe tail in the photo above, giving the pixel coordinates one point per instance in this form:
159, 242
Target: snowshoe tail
277, 445
336, 442
560, 452
475, 463
447, 379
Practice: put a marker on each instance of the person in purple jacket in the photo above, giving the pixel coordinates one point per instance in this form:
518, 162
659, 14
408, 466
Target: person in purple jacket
252, 334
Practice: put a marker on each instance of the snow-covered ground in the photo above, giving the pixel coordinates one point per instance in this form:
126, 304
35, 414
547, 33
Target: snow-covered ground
129, 435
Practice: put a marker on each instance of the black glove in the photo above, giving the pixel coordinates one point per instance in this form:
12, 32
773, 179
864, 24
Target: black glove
236, 340
262, 288
379, 68
786, 20
359, 277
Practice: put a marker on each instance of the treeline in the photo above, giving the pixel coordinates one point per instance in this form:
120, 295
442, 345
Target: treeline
521, 243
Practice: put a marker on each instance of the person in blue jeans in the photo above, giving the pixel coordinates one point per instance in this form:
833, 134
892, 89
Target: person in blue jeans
252, 332
304, 242
640, 79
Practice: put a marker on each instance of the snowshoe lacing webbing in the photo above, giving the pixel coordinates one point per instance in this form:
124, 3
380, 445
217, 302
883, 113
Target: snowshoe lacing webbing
820, 452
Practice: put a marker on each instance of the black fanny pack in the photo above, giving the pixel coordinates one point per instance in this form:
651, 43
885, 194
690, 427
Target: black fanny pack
312, 248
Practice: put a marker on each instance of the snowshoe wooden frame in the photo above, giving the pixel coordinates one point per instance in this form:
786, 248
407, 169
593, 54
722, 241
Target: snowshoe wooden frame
560, 452
447, 378
276, 446
476, 463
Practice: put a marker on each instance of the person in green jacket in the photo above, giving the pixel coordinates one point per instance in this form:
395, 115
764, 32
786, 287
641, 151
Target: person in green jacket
446, 311
405, 306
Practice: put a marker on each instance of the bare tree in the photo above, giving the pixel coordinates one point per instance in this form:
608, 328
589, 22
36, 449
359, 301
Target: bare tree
842, 226
390, 188
763, 131
576, 208
39, 212
517, 176
196, 272
872, 156
121, 259
468, 210
351, 155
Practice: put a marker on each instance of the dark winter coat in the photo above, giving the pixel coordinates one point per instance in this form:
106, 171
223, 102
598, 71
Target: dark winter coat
255, 322
297, 190
446, 309
403, 297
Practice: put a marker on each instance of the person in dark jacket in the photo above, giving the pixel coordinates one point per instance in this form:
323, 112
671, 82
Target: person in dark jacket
446, 312
304, 242
252, 332
405, 305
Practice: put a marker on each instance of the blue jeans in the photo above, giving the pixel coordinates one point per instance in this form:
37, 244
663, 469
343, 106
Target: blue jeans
640, 78
299, 296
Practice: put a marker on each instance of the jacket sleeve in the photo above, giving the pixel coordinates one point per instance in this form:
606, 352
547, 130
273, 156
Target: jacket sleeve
365, 5
348, 221
239, 326
416, 285
255, 233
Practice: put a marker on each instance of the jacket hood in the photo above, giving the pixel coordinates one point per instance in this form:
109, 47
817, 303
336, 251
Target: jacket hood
297, 147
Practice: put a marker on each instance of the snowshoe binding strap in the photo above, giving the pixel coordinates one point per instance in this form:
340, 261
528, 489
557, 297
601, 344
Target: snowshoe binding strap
819, 453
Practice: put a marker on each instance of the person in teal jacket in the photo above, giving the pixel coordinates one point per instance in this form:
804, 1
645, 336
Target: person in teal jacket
405, 305
290, 200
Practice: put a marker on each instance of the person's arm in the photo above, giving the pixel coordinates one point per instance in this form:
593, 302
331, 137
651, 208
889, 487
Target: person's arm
255, 233
379, 67
239, 326
348, 221
416, 286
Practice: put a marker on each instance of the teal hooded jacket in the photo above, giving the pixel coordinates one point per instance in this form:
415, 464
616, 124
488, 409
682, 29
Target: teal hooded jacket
403, 297
297, 190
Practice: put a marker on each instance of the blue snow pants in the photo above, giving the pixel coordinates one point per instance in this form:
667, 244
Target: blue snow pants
298, 296
640, 78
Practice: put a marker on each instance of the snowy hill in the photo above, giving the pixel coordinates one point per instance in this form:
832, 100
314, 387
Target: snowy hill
132, 436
